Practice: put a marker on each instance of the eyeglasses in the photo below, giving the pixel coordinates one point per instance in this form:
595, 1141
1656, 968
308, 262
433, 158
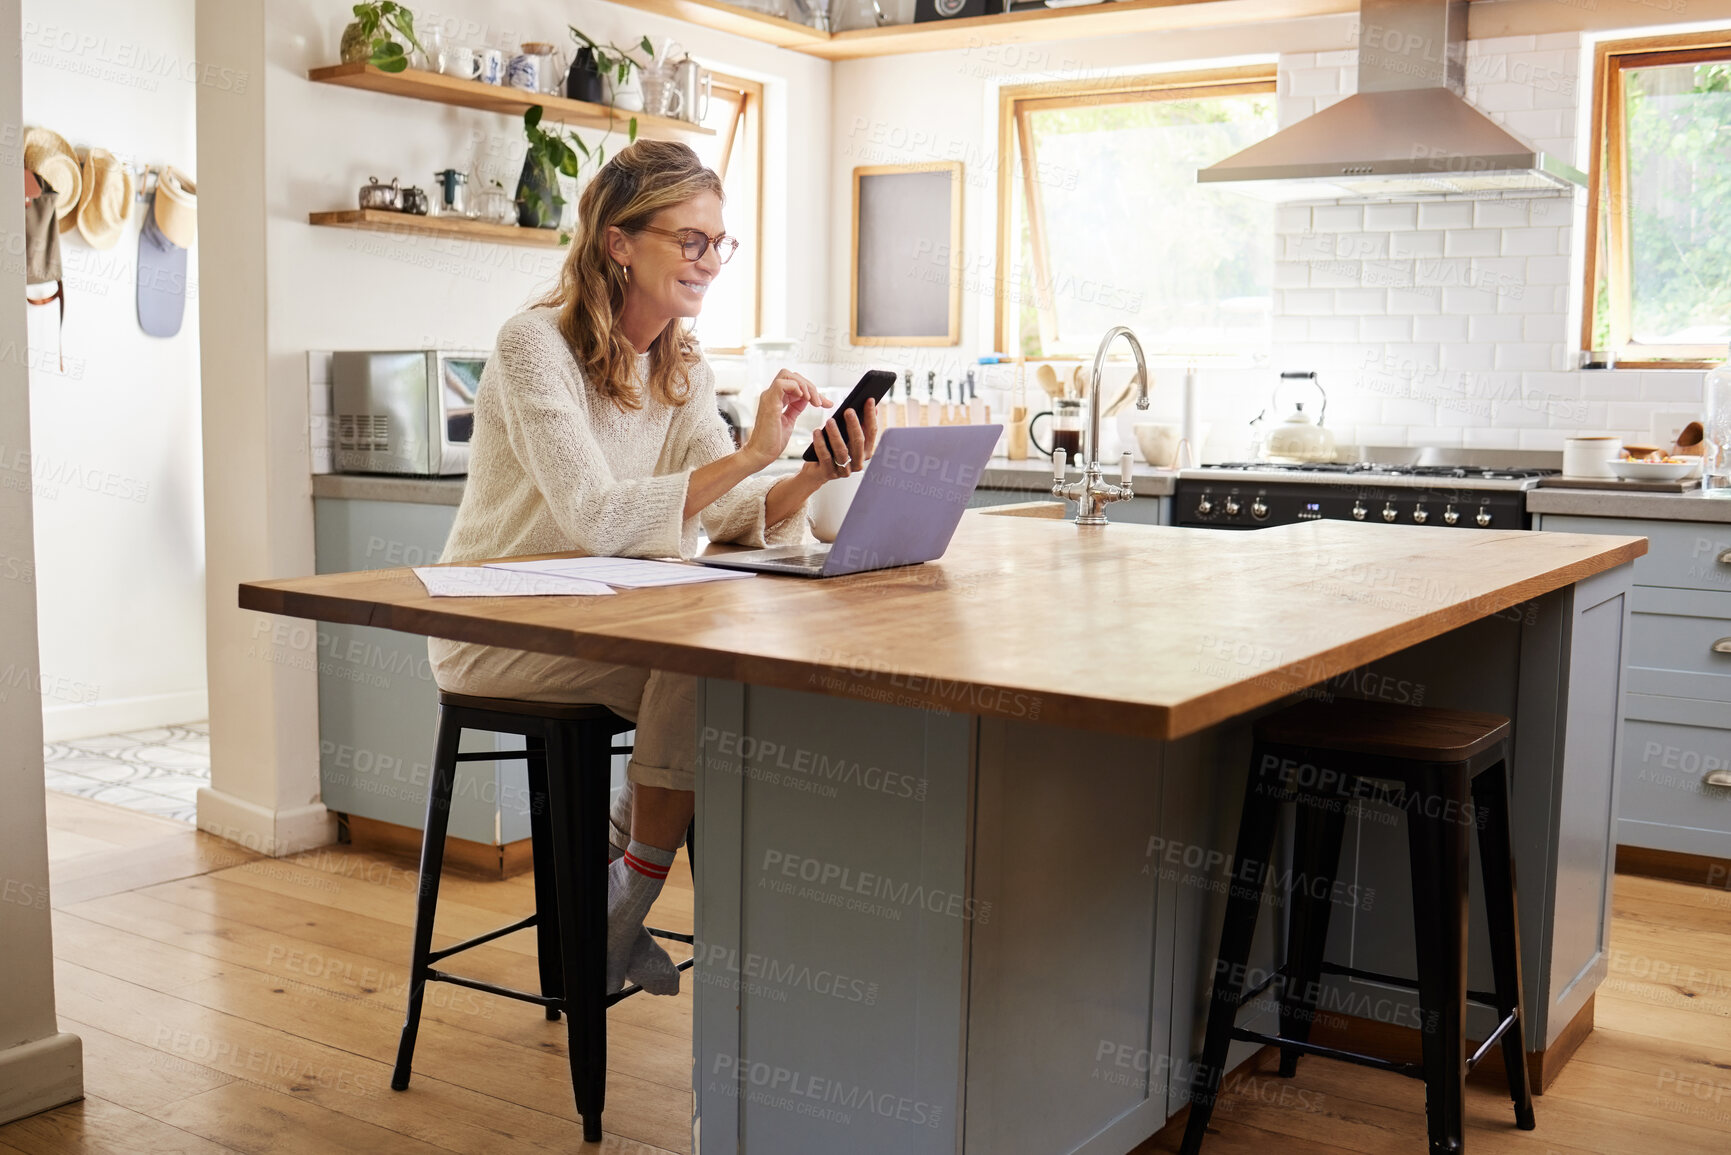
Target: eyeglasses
695, 242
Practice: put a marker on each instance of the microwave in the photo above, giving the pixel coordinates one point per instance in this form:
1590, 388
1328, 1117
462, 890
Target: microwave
410, 411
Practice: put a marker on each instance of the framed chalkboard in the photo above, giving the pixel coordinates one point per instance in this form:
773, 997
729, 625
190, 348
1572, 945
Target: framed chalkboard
906, 284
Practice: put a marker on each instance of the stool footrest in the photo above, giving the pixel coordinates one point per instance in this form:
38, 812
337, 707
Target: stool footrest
500, 755
621, 995
1483, 998
524, 924
434, 976
1410, 1070
1485, 1047
1250, 995
672, 935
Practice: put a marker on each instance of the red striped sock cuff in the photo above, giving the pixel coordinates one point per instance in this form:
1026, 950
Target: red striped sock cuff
647, 869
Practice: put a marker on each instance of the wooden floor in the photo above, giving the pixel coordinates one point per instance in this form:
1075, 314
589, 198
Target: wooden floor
233, 1003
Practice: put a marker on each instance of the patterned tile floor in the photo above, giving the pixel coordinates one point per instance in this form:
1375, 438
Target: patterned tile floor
154, 771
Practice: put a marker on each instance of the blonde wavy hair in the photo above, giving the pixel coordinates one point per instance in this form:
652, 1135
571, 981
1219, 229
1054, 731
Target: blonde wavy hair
639, 181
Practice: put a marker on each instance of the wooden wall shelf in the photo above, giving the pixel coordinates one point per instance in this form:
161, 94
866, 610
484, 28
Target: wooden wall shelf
1107, 19
417, 84
408, 224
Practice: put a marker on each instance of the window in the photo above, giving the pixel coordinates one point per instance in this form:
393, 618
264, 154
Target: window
730, 312
1659, 201
1189, 268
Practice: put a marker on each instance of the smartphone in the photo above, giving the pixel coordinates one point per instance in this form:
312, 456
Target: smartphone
872, 387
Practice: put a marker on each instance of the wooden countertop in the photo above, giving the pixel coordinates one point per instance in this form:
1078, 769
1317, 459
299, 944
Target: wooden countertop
1150, 630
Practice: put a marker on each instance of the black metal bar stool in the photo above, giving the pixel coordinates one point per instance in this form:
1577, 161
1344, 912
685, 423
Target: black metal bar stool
1449, 769
569, 755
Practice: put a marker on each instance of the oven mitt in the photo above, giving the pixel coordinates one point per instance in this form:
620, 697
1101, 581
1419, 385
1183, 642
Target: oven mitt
42, 247
161, 278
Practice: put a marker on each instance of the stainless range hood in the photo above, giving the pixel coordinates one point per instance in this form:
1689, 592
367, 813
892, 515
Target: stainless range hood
1408, 132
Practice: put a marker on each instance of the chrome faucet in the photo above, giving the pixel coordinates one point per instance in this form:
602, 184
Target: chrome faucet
1092, 492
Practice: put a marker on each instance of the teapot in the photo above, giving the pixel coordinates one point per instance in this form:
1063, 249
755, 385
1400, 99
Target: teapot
1296, 438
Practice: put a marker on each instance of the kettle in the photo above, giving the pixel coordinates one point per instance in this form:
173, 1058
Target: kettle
1296, 438
692, 81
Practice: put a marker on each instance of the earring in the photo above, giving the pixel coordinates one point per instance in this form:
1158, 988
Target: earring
626, 271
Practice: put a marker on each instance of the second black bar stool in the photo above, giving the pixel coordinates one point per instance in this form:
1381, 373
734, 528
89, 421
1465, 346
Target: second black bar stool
1447, 770
569, 751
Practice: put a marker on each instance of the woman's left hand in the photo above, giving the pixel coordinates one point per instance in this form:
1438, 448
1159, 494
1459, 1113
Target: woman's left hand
843, 448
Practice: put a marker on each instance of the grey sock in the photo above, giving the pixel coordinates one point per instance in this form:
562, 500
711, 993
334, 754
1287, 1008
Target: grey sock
651, 968
633, 883
619, 824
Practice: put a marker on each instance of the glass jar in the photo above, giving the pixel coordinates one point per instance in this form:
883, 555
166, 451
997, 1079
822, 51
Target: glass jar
1716, 430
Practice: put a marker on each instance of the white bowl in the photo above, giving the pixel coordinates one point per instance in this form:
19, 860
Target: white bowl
1158, 442
1651, 470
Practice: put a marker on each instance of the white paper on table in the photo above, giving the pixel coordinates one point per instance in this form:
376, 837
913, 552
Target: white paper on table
473, 581
623, 572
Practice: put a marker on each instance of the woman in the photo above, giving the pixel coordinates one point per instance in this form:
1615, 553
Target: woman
596, 430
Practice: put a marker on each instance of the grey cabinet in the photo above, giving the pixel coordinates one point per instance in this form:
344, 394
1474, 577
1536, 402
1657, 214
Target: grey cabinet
1677, 708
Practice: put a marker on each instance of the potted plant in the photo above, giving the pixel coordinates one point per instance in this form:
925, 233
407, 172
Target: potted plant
552, 154
369, 36
593, 65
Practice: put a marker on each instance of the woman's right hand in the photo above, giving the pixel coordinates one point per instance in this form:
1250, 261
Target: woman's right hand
777, 411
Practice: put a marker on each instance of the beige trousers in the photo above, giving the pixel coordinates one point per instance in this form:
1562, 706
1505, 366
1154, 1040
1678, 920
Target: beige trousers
662, 705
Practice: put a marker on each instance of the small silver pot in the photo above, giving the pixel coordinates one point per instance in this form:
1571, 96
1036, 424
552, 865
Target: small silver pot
381, 196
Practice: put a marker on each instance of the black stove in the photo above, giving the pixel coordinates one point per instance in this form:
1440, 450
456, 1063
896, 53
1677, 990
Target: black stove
1250, 495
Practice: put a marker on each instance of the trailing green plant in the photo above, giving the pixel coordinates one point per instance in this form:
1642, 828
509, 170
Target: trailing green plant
558, 151
612, 60
378, 20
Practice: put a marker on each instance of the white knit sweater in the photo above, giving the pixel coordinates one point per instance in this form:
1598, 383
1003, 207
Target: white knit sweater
556, 467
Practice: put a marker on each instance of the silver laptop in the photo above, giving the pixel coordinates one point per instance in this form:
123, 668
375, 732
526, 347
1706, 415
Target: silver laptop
908, 506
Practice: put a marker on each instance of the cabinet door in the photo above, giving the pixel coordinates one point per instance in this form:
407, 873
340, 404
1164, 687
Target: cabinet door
1671, 747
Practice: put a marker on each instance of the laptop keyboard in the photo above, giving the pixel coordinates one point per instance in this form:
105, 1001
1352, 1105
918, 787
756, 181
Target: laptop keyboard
811, 557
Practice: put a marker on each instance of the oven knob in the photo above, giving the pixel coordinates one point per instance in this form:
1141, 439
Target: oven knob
1451, 515
1232, 507
1204, 507
1358, 511
1419, 516
1259, 509
1484, 517
1389, 513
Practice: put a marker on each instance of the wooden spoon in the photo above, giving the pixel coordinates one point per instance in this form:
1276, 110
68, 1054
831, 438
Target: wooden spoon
1048, 379
1689, 441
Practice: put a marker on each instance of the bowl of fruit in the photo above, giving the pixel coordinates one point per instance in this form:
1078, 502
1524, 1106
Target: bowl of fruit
1649, 463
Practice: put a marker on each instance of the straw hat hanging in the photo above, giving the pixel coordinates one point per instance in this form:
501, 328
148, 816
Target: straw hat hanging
47, 154
106, 202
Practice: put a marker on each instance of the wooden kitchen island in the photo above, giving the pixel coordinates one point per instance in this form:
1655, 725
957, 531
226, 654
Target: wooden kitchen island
964, 829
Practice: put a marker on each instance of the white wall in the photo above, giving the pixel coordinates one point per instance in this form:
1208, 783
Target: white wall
119, 515
39, 1067
1377, 300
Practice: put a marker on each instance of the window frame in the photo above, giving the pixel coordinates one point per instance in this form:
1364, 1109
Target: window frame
749, 122
1608, 181
1016, 104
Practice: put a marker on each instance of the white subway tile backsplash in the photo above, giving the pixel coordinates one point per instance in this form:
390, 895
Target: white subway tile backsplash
1289, 110
1548, 270
1445, 215
1292, 218
1534, 122
1346, 58
1490, 437
1409, 411
1361, 302
1443, 271
1387, 274
1329, 329
1543, 440
1416, 244
1381, 218
1307, 246
1469, 301
1291, 274
1385, 329
1530, 242
1501, 96
1439, 327
1610, 384
1466, 242
1337, 218
1285, 330
1335, 274
1501, 214
1525, 355
1496, 327
1685, 385
1469, 356
1551, 328
1518, 414
1420, 299
1306, 302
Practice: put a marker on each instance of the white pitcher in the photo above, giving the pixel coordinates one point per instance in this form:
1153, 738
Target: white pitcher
692, 82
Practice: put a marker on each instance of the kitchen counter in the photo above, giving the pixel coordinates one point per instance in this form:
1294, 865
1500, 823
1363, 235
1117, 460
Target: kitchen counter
964, 830
1031, 476
1689, 506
